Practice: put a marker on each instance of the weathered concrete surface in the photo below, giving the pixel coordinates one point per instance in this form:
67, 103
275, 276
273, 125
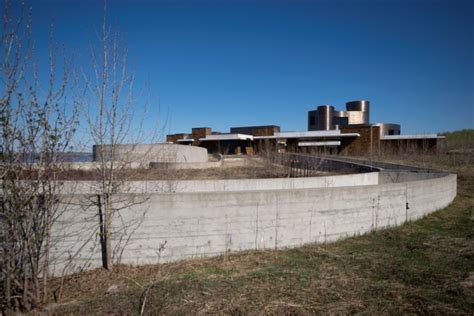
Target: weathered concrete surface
407, 176
205, 223
147, 164
181, 186
146, 153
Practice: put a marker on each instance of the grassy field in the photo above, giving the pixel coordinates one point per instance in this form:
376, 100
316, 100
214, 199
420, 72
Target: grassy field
422, 267
462, 140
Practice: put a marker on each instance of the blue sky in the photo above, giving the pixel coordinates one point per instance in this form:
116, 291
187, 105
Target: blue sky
233, 63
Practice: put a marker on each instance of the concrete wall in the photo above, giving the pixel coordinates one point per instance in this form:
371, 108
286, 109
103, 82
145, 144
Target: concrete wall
191, 165
213, 163
146, 153
228, 185
407, 176
212, 219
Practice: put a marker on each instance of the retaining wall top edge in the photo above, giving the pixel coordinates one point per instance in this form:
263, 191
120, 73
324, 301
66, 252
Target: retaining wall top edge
276, 191
433, 175
436, 176
228, 180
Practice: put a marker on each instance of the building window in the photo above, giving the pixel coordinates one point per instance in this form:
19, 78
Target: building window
312, 121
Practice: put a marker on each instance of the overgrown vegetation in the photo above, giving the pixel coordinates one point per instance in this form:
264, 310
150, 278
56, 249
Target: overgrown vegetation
458, 140
37, 122
422, 267
40, 100
248, 169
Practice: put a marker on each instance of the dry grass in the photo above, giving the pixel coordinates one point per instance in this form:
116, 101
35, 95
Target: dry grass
241, 168
423, 267
241, 172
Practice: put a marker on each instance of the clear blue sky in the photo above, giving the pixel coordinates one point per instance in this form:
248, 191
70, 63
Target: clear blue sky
232, 63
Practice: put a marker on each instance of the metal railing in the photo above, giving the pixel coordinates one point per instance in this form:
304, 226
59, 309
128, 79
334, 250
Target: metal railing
304, 165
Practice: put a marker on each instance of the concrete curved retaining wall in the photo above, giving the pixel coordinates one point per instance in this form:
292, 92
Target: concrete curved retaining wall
229, 185
146, 153
214, 219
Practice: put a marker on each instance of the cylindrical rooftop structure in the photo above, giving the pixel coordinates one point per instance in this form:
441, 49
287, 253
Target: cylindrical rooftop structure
359, 112
325, 118
340, 119
388, 129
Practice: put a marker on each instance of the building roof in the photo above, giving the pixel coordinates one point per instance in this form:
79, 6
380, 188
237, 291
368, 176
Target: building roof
317, 144
227, 137
256, 126
310, 134
418, 136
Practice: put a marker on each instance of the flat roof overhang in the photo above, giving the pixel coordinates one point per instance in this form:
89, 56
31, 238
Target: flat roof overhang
185, 140
319, 144
226, 137
408, 137
311, 134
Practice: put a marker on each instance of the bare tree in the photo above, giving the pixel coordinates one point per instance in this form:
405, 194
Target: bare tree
37, 124
115, 115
